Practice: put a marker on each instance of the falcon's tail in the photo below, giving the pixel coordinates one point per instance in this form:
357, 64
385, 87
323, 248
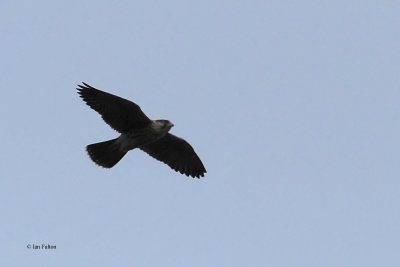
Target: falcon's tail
105, 154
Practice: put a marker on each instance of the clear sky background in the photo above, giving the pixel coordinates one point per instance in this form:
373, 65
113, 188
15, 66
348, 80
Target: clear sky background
293, 107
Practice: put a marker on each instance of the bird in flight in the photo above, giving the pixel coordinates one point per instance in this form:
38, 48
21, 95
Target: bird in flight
137, 131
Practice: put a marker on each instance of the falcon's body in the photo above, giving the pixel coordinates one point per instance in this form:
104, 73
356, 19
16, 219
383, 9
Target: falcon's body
138, 137
137, 131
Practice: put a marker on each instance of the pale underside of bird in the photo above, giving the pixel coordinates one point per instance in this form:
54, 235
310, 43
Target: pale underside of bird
137, 131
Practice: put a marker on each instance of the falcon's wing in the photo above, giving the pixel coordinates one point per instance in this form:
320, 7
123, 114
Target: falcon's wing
176, 153
119, 113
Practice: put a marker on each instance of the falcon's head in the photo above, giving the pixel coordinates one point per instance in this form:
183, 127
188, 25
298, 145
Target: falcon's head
164, 125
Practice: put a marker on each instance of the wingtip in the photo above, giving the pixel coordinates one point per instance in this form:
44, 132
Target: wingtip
197, 175
82, 89
84, 86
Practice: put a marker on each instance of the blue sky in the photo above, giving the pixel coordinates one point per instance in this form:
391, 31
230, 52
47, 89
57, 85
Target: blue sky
293, 107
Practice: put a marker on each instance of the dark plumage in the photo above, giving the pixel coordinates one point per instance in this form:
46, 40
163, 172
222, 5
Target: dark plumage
137, 131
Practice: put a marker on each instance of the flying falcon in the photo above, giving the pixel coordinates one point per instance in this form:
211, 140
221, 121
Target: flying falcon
137, 131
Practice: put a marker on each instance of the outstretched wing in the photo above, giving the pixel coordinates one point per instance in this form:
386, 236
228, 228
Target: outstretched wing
119, 113
176, 153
